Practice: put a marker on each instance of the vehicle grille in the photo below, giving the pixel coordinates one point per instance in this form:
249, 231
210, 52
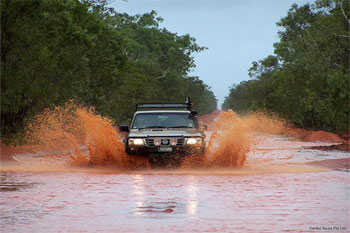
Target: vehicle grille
180, 141
150, 141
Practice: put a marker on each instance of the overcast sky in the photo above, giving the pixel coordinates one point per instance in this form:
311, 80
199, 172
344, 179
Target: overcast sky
236, 33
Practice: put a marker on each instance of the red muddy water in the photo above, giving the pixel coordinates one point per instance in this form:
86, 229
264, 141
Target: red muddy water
255, 177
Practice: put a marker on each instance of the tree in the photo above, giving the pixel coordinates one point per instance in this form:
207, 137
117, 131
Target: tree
54, 51
307, 80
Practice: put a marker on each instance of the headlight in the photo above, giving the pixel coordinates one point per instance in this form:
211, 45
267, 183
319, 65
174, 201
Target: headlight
193, 141
136, 142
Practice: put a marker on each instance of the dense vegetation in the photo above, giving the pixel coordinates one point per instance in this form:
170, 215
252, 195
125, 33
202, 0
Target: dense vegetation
54, 51
307, 79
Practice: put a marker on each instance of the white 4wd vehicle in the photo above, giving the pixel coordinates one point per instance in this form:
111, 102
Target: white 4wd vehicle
164, 132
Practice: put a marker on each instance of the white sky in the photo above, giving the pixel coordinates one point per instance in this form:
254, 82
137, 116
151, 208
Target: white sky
236, 33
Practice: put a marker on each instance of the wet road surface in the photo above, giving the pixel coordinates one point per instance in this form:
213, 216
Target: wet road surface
273, 192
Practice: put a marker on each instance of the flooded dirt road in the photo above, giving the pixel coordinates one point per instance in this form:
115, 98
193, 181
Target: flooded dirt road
277, 190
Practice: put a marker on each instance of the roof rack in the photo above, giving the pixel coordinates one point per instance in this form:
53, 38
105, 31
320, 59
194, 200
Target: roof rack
162, 106
188, 105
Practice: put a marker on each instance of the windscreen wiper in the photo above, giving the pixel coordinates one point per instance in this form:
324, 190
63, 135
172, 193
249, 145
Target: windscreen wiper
181, 126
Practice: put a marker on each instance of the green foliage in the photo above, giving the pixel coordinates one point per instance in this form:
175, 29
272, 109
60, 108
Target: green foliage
307, 80
54, 51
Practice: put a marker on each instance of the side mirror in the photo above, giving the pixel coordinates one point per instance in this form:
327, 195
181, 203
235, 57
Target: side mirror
194, 112
123, 128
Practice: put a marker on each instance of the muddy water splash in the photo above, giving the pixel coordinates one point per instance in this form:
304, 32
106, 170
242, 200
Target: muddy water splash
229, 143
234, 136
267, 123
70, 127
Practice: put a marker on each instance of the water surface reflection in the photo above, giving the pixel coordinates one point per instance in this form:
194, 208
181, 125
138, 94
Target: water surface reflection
168, 202
192, 197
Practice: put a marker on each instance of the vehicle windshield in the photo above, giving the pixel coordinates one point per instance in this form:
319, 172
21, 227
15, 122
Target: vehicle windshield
162, 120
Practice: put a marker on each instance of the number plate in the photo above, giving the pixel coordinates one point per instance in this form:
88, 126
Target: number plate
165, 149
